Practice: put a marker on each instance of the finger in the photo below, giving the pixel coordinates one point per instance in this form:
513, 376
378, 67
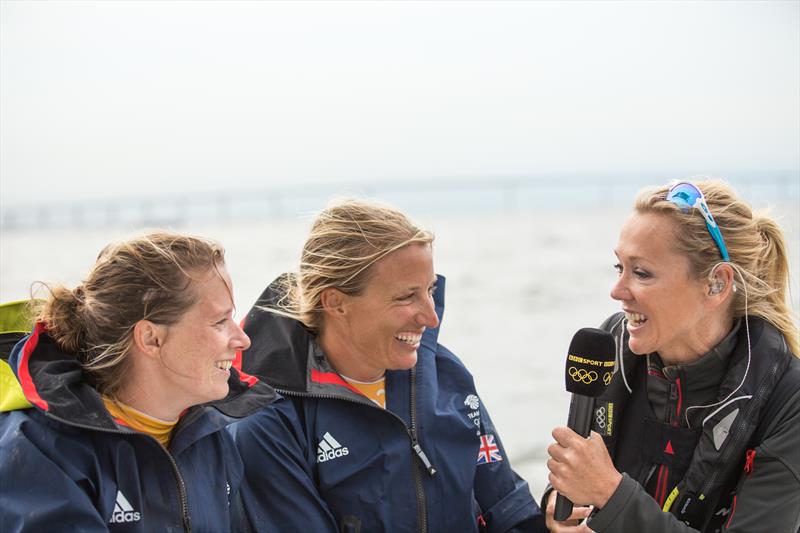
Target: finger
566, 527
580, 512
550, 505
565, 436
556, 451
554, 481
596, 437
554, 466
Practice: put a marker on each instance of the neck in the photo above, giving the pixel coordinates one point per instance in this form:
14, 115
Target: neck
149, 398
341, 358
708, 335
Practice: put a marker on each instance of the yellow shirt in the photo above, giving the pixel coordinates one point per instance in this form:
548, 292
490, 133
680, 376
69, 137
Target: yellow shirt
159, 429
375, 390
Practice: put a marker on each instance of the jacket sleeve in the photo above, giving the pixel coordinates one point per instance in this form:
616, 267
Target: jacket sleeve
278, 492
36, 493
768, 497
504, 498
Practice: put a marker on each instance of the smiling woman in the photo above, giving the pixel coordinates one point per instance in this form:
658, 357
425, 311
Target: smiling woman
119, 371
380, 427
706, 390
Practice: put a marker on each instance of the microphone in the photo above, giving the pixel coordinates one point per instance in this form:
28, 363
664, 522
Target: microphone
590, 365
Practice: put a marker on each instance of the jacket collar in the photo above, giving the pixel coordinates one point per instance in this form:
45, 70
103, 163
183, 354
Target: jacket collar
285, 354
54, 382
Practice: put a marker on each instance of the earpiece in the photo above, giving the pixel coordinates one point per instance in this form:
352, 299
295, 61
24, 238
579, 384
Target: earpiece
716, 287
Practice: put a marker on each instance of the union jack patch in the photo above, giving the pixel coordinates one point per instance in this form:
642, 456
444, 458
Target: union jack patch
489, 452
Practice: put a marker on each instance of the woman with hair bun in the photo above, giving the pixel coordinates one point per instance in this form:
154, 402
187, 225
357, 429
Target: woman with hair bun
706, 391
380, 427
130, 385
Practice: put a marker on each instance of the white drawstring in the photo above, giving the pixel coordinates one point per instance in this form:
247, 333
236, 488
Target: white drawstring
749, 357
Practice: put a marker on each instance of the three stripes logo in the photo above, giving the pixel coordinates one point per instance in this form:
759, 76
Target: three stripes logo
329, 448
123, 511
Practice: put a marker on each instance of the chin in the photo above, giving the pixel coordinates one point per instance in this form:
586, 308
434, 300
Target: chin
405, 362
218, 394
638, 348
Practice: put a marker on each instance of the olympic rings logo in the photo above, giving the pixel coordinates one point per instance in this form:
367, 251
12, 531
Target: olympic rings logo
600, 417
607, 378
581, 375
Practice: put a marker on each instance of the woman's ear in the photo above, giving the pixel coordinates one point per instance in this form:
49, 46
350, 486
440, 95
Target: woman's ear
333, 301
148, 337
721, 282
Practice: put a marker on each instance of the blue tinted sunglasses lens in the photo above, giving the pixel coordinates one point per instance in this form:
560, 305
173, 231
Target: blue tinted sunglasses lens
686, 196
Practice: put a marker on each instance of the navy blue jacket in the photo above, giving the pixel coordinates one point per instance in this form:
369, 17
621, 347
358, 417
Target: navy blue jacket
66, 464
325, 458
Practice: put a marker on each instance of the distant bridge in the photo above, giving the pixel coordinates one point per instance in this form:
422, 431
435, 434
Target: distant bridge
414, 196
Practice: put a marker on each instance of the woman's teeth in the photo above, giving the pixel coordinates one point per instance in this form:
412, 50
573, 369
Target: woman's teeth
409, 338
224, 365
636, 319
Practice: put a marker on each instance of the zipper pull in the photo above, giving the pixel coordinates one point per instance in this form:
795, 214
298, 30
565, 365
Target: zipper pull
424, 458
748, 462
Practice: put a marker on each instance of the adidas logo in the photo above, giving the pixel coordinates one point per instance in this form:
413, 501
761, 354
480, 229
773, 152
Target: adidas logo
123, 511
329, 448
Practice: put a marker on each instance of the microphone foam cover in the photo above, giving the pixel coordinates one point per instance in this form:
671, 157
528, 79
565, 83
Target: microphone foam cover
590, 362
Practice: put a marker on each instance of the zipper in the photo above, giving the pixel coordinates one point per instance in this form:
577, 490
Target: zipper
410, 431
422, 511
673, 414
673, 397
187, 525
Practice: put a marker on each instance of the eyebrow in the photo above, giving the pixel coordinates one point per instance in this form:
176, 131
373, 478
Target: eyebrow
415, 288
630, 258
228, 311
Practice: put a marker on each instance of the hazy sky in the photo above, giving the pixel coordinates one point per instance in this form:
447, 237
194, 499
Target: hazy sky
104, 98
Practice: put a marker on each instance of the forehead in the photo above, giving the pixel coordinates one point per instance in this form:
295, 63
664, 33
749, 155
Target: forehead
212, 291
411, 265
648, 235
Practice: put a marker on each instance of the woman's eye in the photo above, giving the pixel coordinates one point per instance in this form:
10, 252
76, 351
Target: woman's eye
641, 274
618, 268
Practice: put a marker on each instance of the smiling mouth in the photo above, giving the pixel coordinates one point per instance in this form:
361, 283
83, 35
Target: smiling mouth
635, 319
224, 365
412, 339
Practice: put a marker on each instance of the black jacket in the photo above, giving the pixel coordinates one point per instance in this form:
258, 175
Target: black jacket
738, 469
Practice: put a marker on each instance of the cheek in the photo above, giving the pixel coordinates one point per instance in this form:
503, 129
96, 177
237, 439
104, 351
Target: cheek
202, 350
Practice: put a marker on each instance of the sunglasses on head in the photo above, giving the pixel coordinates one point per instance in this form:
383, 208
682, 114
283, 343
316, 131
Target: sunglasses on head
687, 197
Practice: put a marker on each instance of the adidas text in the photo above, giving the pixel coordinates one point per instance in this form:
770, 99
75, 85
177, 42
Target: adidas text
124, 516
329, 448
332, 454
123, 511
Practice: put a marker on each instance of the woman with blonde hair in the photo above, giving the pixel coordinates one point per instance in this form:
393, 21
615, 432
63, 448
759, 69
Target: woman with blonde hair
129, 384
706, 393
380, 428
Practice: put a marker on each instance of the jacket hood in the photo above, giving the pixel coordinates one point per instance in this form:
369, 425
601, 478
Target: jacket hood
14, 325
54, 382
284, 353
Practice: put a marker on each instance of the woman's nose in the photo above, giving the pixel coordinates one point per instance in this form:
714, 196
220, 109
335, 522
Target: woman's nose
240, 339
427, 315
619, 290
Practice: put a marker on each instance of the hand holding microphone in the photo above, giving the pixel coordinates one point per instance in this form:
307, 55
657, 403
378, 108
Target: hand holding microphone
589, 367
